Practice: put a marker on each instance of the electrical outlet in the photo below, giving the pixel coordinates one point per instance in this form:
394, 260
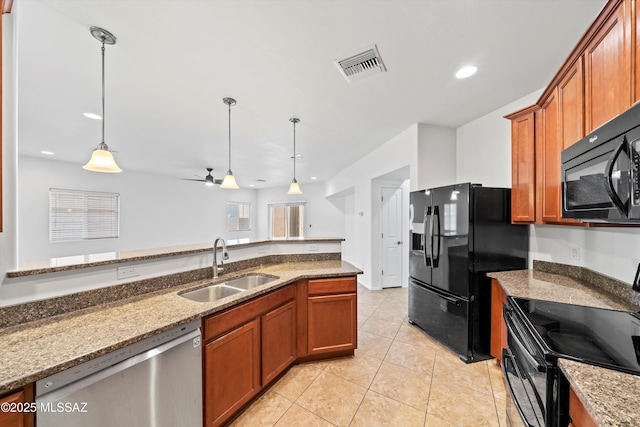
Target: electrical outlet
312, 247
262, 249
127, 272
574, 253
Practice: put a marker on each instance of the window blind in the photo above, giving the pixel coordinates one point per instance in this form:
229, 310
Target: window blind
83, 215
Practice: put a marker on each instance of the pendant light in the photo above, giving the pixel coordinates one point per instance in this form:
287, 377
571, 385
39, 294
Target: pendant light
294, 188
102, 160
229, 180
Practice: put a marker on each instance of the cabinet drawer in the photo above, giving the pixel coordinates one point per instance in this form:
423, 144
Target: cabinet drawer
338, 285
218, 324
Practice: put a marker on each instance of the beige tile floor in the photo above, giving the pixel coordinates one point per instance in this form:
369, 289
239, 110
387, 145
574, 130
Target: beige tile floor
398, 377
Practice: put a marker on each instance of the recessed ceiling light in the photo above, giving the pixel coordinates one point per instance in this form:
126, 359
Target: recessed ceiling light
252, 185
467, 71
92, 116
314, 177
48, 153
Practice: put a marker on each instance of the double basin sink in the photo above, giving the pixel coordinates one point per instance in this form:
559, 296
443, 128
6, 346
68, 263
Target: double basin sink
228, 288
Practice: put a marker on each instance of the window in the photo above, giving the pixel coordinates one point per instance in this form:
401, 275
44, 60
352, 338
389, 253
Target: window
83, 215
286, 220
238, 216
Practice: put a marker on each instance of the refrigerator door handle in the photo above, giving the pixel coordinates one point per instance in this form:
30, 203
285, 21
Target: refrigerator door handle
436, 254
428, 243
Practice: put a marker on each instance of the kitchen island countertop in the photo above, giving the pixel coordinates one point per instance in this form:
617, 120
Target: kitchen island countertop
37, 349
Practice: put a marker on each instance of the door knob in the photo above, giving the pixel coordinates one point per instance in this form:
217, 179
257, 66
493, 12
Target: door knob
399, 243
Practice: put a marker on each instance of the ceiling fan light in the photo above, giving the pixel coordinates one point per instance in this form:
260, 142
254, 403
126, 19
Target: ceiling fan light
294, 188
102, 161
229, 181
208, 183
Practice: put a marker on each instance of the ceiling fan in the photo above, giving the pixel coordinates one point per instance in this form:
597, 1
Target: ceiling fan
208, 180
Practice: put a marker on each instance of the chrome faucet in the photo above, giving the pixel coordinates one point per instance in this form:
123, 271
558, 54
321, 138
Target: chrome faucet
225, 256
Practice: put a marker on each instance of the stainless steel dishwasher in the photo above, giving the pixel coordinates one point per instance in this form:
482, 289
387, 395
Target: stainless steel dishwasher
155, 382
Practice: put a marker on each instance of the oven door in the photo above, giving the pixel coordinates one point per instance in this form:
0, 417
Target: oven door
525, 373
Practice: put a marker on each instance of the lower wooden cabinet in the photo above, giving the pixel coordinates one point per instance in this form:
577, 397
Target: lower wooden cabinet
232, 372
332, 315
249, 345
579, 415
14, 418
498, 327
278, 341
331, 326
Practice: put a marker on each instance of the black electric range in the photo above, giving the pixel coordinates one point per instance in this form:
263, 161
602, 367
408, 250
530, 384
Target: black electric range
598, 336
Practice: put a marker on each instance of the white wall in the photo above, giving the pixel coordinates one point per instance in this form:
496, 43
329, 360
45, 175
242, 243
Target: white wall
356, 180
436, 157
322, 217
8, 237
483, 146
155, 210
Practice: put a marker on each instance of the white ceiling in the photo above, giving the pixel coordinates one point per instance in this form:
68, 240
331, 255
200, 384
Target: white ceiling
174, 61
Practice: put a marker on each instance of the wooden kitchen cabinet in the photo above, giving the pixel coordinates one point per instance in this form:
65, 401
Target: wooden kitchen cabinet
498, 326
551, 160
246, 346
278, 341
571, 105
17, 419
578, 413
607, 60
523, 164
332, 315
232, 372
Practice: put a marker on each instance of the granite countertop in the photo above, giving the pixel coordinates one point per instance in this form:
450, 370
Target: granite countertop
52, 265
37, 349
611, 397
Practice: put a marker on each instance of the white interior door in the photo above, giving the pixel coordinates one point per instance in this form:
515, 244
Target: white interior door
391, 227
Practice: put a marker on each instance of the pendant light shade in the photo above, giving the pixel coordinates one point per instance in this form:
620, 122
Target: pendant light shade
229, 180
294, 188
102, 160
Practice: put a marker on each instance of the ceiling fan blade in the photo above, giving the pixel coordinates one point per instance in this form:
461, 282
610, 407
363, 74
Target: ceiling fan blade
218, 181
190, 179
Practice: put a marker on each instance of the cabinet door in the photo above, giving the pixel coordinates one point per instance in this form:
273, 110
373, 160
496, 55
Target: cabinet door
571, 101
232, 372
278, 341
551, 161
13, 419
331, 324
607, 70
498, 327
523, 168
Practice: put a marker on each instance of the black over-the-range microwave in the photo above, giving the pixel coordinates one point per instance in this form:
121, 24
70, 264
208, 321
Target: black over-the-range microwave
600, 181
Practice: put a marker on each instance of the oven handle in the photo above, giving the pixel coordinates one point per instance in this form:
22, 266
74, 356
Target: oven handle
508, 358
515, 332
622, 207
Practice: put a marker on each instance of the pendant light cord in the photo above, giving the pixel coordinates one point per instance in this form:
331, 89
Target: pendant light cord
294, 150
229, 135
103, 90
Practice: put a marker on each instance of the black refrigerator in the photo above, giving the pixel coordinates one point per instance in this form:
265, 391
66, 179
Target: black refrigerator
458, 234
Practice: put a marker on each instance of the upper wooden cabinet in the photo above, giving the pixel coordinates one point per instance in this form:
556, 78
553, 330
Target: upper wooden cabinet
523, 208
607, 69
571, 105
593, 86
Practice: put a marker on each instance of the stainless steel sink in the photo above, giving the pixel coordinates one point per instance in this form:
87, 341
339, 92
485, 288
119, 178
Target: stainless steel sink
249, 282
211, 293
228, 288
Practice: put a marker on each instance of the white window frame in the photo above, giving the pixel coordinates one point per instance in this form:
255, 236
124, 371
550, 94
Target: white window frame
238, 219
287, 231
92, 220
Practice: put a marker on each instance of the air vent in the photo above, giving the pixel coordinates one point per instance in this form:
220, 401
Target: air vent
361, 65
